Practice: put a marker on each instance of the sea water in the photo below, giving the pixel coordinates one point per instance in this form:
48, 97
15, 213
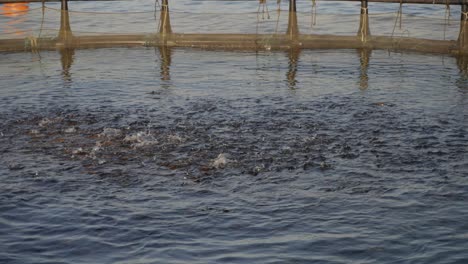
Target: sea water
143, 155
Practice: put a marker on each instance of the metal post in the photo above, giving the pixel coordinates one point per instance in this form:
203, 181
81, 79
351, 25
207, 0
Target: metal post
65, 5
165, 21
463, 36
65, 32
293, 29
364, 31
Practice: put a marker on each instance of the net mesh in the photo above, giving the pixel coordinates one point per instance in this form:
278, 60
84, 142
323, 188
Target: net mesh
437, 22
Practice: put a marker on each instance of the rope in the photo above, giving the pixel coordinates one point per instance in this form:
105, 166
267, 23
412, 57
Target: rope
263, 4
399, 18
446, 17
42, 19
278, 18
156, 6
313, 18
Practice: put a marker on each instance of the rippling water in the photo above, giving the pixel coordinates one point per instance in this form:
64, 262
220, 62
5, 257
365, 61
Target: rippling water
191, 156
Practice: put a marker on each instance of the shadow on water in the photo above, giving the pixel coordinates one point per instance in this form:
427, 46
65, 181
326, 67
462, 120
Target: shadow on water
293, 56
364, 56
462, 82
66, 58
165, 54
165, 58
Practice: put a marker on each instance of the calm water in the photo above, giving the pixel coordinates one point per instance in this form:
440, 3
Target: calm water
188, 156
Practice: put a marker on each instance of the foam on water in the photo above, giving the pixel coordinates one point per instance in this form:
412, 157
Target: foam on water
140, 139
220, 162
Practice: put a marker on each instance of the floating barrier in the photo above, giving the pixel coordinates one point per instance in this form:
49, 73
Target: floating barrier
292, 39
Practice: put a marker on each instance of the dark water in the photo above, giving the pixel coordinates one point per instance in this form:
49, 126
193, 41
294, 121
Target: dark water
188, 156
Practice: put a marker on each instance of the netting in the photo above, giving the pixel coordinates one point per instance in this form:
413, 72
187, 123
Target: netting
268, 18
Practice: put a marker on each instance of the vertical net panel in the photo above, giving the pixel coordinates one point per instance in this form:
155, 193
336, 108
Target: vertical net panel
254, 17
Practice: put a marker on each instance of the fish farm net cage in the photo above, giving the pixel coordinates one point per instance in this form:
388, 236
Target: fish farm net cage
415, 25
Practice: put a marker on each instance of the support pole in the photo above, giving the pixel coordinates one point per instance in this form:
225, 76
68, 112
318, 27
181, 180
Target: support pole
165, 21
463, 36
364, 31
65, 5
293, 29
65, 33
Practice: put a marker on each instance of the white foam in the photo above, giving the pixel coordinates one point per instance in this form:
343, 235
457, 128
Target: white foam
110, 133
95, 150
174, 139
48, 121
70, 130
97, 147
220, 162
140, 139
78, 151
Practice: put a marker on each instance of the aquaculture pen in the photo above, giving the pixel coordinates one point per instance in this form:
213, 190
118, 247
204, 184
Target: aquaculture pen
293, 38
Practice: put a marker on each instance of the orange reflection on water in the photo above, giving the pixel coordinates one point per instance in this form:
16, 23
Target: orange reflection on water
14, 10
16, 15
